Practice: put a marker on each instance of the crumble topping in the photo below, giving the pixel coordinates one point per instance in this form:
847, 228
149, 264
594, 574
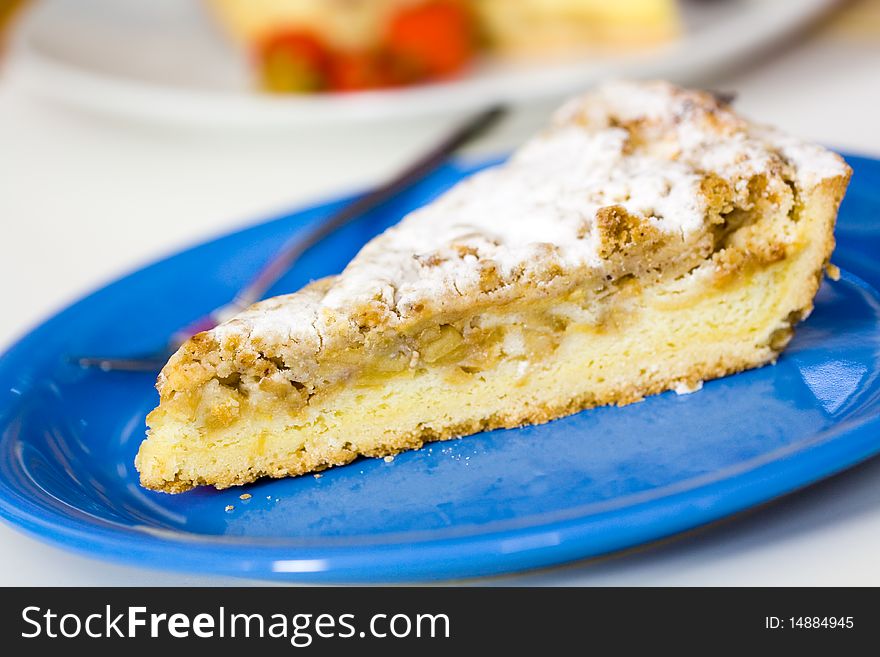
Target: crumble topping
669, 161
650, 239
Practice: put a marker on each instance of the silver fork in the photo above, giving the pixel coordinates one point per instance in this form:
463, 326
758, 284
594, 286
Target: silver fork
276, 267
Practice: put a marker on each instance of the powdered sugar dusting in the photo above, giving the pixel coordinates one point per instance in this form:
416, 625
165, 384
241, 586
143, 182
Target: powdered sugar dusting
644, 146
543, 200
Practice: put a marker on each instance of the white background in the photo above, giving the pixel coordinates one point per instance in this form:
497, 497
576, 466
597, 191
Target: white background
84, 199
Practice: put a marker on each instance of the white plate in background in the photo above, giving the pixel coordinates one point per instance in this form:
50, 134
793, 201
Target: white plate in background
165, 60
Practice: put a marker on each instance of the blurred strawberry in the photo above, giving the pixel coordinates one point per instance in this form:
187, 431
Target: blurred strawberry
357, 71
434, 39
294, 62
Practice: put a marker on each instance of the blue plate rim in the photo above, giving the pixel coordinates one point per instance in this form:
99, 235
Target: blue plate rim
471, 554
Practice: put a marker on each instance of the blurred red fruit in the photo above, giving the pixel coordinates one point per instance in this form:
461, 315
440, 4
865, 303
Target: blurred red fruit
294, 62
356, 71
435, 39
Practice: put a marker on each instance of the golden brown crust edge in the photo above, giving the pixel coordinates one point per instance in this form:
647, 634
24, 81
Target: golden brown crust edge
318, 461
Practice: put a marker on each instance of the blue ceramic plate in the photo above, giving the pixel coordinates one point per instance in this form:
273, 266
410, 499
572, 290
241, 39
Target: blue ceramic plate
598, 481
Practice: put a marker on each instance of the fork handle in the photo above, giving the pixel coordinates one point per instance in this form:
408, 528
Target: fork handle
281, 262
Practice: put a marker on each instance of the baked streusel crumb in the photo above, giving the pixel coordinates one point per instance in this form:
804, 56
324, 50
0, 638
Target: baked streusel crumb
648, 240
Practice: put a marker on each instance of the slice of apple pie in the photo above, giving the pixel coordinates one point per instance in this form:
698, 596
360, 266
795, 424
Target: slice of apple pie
648, 240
